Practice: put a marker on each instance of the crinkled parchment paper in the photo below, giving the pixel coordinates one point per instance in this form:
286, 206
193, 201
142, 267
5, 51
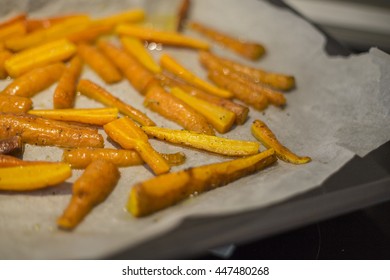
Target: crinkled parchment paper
340, 108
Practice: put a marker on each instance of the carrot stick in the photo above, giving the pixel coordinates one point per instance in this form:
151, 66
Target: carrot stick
138, 76
44, 23
89, 190
35, 81
99, 63
11, 161
172, 108
96, 92
4, 55
250, 50
65, 92
14, 30
14, 104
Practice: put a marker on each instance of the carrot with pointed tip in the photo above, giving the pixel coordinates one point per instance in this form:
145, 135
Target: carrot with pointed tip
14, 104
264, 134
35, 80
90, 189
172, 108
65, 92
98, 93
171, 65
99, 63
127, 134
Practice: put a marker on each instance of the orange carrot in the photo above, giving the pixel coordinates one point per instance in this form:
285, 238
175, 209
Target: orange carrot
36, 24
17, 18
14, 104
4, 55
99, 63
65, 92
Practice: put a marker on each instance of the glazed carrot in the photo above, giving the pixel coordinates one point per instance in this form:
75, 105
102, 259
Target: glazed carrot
11, 161
138, 76
218, 145
159, 36
89, 190
42, 55
65, 92
35, 80
127, 134
239, 110
182, 14
11, 146
81, 157
135, 48
220, 118
44, 132
36, 24
96, 92
4, 55
89, 34
33, 177
100, 116
262, 133
250, 50
168, 189
171, 65
252, 98
99, 63
256, 75
172, 108
14, 30
17, 18
14, 104
44, 36
130, 16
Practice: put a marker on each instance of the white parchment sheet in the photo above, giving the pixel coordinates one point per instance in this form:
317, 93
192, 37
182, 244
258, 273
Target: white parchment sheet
339, 109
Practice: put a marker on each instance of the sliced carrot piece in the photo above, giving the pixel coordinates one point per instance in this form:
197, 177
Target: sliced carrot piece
172, 108
127, 134
219, 145
134, 47
14, 104
89, 190
96, 92
220, 118
168, 63
262, 133
42, 55
33, 177
99, 63
159, 36
99, 116
65, 92
168, 189
35, 80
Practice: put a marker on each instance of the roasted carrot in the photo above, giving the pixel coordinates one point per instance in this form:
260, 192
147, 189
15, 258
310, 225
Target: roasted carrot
34, 176
81, 157
247, 49
44, 36
171, 65
43, 23
130, 16
241, 91
172, 108
92, 116
39, 56
218, 145
4, 55
17, 18
182, 14
220, 118
256, 75
99, 63
39, 131
65, 92
168, 189
90, 34
135, 48
14, 30
138, 76
89, 190
11, 146
14, 104
35, 80
239, 110
127, 134
264, 134
159, 36
96, 92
